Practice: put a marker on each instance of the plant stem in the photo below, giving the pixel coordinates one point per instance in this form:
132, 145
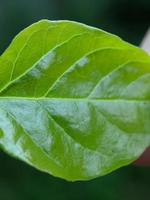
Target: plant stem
145, 44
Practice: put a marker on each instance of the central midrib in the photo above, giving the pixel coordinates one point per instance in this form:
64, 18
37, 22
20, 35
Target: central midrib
74, 99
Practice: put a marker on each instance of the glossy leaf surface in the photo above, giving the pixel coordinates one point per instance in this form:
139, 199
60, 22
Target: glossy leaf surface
74, 100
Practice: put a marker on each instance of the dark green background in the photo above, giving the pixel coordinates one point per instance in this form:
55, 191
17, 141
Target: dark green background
128, 19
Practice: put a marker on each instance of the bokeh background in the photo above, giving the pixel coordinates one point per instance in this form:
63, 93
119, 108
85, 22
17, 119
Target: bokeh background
127, 18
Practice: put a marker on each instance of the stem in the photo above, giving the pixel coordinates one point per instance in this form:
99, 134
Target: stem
145, 44
144, 160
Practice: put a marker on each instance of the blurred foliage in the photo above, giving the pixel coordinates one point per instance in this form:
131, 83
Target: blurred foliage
127, 18
21, 182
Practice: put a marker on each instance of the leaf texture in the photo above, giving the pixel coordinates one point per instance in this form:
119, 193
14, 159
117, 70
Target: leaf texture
74, 100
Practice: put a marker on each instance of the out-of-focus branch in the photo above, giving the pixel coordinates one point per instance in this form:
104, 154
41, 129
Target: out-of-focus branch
144, 160
145, 44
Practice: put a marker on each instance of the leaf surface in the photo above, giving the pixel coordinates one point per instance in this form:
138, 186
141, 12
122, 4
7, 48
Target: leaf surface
74, 100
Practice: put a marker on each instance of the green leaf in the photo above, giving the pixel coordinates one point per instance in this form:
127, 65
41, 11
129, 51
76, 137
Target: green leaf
74, 100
